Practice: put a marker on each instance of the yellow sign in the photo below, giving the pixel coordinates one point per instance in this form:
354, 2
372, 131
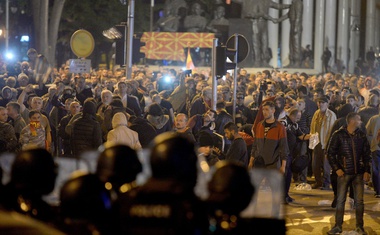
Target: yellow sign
82, 43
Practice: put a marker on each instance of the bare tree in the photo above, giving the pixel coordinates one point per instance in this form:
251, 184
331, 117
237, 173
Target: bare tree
46, 27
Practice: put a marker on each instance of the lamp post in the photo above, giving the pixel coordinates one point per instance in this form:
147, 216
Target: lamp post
131, 22
151, 14
6, 32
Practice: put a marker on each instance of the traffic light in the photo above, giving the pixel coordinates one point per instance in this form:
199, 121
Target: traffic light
222, 53
120, 53
137, 56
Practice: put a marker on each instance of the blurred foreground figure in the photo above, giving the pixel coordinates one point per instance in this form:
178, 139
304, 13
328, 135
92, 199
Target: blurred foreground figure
33, 175
118, 167
15, 223
89, 201
166, 203
85, 206
230, 192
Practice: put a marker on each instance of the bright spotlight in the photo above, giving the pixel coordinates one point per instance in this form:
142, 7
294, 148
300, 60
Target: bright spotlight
167, 79
9, 55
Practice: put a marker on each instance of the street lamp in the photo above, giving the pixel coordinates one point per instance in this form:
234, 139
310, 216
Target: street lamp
131, 23
13, 9
6, 32
112, 33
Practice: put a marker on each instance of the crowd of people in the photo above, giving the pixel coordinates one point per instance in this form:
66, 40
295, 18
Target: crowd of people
60, 114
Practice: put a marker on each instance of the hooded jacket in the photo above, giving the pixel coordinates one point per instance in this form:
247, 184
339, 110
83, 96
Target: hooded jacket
158, 119
121, 134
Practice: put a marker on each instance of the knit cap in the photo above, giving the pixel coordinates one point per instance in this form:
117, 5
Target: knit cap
155, 110
205, 139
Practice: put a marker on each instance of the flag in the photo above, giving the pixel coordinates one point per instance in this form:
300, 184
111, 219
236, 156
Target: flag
189, 61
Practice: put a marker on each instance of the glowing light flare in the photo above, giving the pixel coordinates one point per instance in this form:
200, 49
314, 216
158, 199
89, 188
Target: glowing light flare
9, 55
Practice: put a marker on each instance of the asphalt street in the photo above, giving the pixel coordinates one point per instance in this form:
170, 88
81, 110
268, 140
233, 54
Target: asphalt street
311, 213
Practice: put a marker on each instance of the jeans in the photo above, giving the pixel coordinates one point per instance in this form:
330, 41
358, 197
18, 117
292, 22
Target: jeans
358, 187
376, 171
334, 184
321, 167
288, 175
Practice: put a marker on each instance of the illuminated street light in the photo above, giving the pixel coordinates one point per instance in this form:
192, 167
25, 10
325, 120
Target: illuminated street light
9, 55
112, 33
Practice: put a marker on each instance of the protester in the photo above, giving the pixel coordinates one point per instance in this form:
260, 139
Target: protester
33, 135
349, 155
117, 94
121, 134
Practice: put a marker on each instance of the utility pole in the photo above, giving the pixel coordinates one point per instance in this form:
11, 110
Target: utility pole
151, 15
131, 22
214, 78
235, 76
6, 33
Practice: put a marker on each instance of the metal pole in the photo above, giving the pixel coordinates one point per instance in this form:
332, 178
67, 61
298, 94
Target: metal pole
214, 79
235, 76
125, 32
131, 15
6, 33
151, 14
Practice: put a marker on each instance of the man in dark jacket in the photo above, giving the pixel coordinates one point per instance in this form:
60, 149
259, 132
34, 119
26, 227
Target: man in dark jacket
128, 100
221, 119
349, 155
86, 133
310, 106
205, 148
82, 91
238, 149
8, 140
146, 131
295, 138
74, 109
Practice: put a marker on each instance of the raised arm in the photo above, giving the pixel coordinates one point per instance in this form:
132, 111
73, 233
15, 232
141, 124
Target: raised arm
22, 97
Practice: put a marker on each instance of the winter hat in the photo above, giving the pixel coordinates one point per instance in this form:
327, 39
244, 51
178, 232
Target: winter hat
155, 110
89, 107
205, 139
